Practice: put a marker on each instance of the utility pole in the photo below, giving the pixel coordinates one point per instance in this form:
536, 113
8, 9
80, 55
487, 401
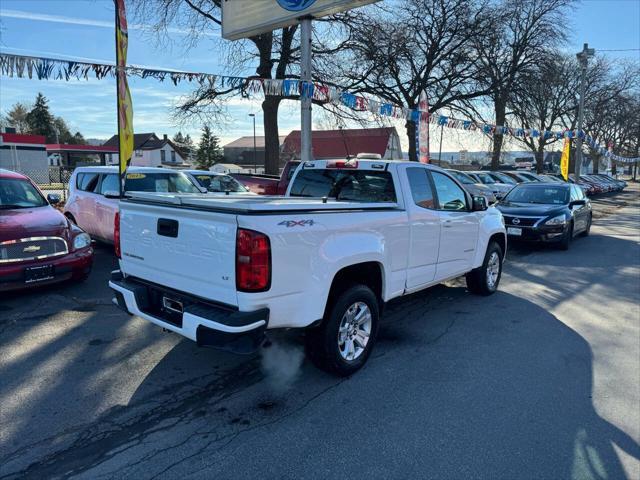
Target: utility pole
583, 58
255, 168
305, 76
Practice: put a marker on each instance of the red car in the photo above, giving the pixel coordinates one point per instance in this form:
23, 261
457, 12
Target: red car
38, 245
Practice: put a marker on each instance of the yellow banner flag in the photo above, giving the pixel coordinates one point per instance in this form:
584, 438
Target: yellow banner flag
564, 160
125, 107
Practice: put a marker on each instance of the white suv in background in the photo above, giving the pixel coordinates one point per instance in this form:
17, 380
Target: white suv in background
93, 194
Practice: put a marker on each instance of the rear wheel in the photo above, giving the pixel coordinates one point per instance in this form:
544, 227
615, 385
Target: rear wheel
343, 342
485, 279
587, 230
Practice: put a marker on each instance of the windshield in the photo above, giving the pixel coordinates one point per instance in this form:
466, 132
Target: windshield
170, 182
17, 193
352, 185
547, 195
461, 177
485, 178
219, 183
503, 178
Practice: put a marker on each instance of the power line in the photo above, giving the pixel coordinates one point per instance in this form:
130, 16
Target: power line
619, 50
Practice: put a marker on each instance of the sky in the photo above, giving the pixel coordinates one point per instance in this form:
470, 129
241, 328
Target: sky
83, 29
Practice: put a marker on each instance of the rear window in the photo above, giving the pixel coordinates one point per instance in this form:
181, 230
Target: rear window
158, 182
87, 182
352, 185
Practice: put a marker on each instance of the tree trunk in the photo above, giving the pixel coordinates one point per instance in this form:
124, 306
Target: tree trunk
596, 163
500, 105
271, 138
411, 135
540, 157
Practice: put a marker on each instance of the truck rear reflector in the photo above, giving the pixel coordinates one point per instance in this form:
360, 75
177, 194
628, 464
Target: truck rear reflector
116, 235
253, 261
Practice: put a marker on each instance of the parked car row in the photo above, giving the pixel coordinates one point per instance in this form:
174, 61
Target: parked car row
203, 256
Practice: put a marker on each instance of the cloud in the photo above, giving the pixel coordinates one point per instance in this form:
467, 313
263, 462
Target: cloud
87, 22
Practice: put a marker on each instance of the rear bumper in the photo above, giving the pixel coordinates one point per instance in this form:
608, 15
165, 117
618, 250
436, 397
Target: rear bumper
208, 324
74, 266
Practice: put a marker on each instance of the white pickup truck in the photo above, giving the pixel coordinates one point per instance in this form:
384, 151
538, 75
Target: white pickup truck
349, 236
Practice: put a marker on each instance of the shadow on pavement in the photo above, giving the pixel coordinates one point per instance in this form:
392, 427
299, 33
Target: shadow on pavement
459, 387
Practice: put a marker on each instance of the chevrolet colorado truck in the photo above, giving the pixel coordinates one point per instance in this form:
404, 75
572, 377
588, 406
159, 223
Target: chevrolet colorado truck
349, 236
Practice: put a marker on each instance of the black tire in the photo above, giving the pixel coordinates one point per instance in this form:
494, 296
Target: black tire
322, 342
565, 243
587, 230
478, 279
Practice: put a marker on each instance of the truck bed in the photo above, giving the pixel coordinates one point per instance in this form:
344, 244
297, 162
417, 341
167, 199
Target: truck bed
252, 205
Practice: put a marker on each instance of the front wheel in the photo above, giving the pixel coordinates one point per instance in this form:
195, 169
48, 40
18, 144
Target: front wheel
344, 340
565, 243
485, 279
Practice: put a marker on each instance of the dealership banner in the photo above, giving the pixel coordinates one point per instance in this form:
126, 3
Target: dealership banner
43, 68
125, 106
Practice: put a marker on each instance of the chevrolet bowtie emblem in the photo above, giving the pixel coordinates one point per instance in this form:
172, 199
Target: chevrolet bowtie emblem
31, 249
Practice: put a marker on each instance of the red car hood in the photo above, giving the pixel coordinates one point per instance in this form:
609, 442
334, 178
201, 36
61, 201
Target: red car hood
32, 222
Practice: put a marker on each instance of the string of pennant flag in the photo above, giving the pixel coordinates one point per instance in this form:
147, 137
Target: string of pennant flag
43, 68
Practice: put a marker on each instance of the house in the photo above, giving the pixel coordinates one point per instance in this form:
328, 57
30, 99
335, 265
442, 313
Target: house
26, 154
346, 142
149, 151
240, 151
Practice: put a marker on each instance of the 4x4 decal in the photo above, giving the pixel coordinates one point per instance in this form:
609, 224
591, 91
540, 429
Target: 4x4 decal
296, 223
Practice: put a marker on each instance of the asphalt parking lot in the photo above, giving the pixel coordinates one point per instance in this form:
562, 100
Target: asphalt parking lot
541, 380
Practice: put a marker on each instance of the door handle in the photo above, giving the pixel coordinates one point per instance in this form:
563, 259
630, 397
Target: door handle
447, 224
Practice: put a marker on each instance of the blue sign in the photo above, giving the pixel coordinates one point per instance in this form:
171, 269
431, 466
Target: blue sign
295, 5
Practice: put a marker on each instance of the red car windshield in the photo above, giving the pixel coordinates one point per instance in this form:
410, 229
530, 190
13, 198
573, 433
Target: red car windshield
17, 193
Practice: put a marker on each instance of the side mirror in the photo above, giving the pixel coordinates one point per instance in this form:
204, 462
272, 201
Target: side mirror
577, 202
479, 204
203, 190
53, 198
111, 194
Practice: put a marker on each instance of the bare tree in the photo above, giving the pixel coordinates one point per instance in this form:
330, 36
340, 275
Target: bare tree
272, 55
419, 45
522, 30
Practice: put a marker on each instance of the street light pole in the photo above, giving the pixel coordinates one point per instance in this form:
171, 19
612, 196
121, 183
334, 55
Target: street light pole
440, 148
583, 58
255, 168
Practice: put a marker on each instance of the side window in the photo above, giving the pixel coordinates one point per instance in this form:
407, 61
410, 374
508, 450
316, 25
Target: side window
163, 155
420, 187
79, 179
109, 184
450, 195
89, 182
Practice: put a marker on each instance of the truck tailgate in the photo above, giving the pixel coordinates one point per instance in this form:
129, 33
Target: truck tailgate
188, 250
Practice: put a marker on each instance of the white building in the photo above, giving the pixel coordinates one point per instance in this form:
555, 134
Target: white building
149, 151
26, 154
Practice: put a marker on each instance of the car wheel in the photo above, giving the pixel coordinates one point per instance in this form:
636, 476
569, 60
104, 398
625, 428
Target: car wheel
485, 279
343, 342
567, 238
587, 230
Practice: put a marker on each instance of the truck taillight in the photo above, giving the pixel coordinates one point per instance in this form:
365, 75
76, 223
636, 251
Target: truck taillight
253, 261
342, 164
116, 235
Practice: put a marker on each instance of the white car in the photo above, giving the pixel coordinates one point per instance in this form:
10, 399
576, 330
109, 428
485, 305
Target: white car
350, 236
217, 183
94, 195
